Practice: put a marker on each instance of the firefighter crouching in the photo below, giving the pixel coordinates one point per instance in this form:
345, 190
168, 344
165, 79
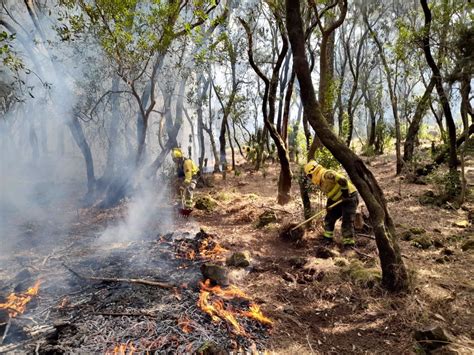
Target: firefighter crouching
186, 172
336, 187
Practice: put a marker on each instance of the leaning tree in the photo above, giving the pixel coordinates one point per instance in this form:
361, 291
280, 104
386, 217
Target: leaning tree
394, 273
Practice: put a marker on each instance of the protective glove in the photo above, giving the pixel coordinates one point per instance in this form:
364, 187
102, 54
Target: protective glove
345, 193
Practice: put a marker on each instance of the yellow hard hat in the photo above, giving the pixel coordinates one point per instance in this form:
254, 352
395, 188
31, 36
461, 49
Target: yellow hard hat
176, 153
311, 167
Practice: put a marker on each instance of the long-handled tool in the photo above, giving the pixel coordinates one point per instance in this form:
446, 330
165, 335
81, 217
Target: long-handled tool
184, 211
319, 214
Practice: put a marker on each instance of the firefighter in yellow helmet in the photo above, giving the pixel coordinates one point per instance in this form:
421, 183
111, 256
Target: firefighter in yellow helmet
187, 172
336, 187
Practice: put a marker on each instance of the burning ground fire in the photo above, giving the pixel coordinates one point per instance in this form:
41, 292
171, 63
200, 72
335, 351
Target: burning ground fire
122, 349
16, 302
211, 301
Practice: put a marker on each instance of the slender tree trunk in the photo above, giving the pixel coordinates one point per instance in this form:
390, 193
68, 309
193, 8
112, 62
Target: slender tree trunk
392, 93
113, 131
80, 139
394, 274
284, 181
439, 87
286, 111
283, 81
416, 122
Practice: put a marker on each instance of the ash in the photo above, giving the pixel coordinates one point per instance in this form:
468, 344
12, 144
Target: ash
77, 314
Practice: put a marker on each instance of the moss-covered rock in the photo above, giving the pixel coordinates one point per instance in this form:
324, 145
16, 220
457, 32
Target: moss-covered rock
422, 242
418, 230
341, 262
468, 245
406, 235
362, 276
266, 218
205, 203
239, 259
438, 243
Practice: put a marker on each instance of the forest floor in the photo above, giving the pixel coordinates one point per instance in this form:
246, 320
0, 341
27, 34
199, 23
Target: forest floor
319, 302
339, 313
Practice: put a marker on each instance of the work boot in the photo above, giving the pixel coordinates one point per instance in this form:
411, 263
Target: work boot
327, 237
348, 241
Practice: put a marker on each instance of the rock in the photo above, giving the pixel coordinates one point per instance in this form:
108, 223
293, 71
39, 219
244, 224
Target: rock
205, 203
432, 338
447, 251
461, 224
422, 242
325, 253
443, 259
468, 245
406, 236
297, 261
239, 259
438, 243
266, 218
426, 199
437, 230
418, 230
211, 348
216, 273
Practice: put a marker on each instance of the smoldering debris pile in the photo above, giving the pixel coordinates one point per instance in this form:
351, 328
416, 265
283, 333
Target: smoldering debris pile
138, 296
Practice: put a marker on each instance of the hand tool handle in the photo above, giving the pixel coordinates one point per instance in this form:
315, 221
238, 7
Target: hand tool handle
320, 213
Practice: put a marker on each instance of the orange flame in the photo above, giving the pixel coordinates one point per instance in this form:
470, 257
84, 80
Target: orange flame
214, 252
122, 349
228, 293
16, 303
217, 310
256, 313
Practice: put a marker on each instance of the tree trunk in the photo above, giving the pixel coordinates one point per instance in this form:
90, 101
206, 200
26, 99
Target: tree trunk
394, 274
283, 81
80, 139
286, 111
439, 87
113, 144
416, 122
231, 145
269, 98
392, 93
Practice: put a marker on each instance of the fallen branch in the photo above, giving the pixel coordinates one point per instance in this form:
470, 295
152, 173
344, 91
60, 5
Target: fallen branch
121, 280
365, 236
363, 254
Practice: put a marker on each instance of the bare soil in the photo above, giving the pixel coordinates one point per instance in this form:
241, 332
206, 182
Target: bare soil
335, 315
316, 306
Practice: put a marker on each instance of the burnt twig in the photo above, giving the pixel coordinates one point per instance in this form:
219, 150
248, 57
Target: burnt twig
126, 314
122, 280
5, 333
